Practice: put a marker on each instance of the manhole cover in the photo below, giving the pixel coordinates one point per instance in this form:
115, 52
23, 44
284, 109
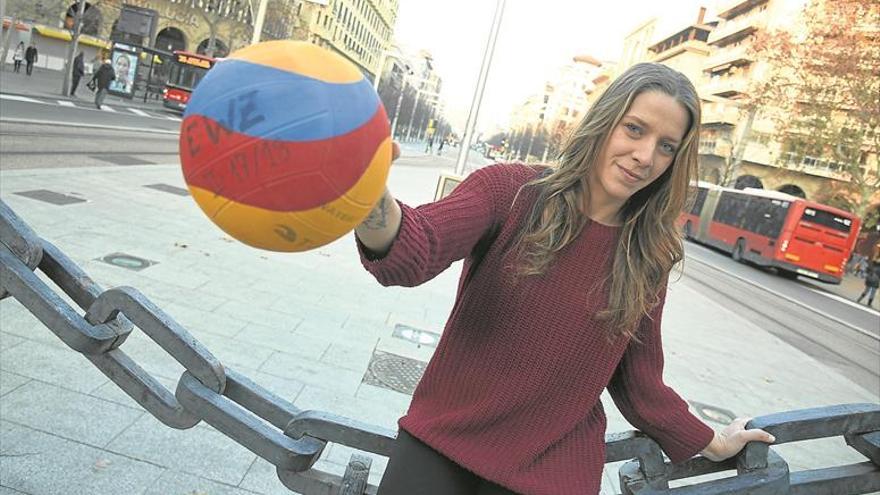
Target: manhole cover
712, 413
51, 197
126, 261
169, 189
394, 372
416, 335
122, 160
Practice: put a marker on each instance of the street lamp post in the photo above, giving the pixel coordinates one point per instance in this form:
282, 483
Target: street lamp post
71, 49
258, 22
478, 91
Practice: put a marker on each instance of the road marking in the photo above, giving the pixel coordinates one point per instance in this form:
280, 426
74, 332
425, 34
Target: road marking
19, 98
844, 300
177, 119
787, 298
107, 109
65, 103
139, 112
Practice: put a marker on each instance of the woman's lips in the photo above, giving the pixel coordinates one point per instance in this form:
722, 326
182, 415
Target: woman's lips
629, 176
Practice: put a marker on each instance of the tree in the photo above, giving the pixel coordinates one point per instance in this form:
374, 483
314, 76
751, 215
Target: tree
823, 89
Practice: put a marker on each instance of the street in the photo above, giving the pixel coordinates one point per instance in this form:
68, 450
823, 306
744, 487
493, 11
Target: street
309, 325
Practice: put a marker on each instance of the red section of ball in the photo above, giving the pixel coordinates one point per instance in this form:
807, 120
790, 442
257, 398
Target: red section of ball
276, 175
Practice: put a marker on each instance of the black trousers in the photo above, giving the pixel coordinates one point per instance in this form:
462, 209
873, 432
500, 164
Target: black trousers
416, 469
73, 86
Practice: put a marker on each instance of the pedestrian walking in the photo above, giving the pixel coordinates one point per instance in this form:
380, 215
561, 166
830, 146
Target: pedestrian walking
30, 57
872, 282
101, 81
561, 296
79, 68
429, 146
440, 148
17, 57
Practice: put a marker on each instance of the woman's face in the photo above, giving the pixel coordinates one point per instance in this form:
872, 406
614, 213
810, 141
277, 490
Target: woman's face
122, 66
639, 149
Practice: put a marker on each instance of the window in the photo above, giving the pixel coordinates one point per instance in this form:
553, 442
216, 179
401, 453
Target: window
827, 219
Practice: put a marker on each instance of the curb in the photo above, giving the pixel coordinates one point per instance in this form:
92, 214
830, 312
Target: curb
788, 299
88, 126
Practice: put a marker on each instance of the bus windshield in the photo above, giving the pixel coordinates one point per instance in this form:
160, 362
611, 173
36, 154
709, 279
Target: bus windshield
186, 76
827, 219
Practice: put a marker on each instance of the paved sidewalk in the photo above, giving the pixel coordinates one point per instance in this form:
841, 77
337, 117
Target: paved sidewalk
48, 83
306, 326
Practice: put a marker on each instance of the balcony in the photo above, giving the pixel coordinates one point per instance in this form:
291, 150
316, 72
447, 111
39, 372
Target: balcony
729, 56
727, 86
720, 114
738, 27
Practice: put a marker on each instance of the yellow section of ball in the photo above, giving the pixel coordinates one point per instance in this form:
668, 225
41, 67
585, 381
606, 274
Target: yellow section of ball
296, 231
300, 57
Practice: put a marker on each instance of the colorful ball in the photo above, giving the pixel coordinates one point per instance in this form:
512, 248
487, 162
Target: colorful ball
285, 146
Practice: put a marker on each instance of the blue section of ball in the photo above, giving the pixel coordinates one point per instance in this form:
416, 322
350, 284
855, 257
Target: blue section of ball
252, 99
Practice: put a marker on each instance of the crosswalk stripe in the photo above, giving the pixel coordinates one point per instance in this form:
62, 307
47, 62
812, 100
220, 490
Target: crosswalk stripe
178, 119
107, 109
139, 112
18, 98
65, 103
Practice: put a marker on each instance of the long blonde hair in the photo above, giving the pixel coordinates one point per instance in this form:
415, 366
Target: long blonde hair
650, 244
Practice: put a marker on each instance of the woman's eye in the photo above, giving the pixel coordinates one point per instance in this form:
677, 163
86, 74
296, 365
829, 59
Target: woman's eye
668, 148
633, 128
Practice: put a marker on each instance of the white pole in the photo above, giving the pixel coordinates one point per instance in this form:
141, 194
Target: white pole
382, 59
478, 92
258, 22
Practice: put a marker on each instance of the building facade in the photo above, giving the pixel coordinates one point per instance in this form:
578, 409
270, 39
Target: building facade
360, 30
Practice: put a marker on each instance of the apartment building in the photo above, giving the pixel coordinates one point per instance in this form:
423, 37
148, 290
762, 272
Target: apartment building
360, 30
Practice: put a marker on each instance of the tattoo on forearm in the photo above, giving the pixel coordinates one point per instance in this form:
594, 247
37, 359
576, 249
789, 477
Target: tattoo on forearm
378, 218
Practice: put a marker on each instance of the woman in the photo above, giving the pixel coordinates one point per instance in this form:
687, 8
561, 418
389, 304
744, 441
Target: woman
561, 296
18, 56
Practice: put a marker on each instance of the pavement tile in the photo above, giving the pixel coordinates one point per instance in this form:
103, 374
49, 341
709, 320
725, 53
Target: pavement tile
312, 372
20, 324
351, 357
200, 451
8, 340
311, 345
175, 482
59, 366
262, 477
38, 463
10, 382
198, 321
71, 415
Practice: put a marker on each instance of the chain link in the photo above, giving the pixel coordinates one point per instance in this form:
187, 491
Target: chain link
293, 440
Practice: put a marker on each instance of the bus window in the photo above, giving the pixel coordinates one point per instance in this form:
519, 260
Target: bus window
827, 219
699, 200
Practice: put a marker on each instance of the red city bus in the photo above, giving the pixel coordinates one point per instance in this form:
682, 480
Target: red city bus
774, 229
187, 69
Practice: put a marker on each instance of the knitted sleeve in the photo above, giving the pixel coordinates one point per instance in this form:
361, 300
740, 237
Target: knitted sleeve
434, 235
638, 390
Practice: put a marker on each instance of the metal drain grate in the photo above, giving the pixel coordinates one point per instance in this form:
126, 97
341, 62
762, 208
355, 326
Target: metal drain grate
169, 189
51, 197
122, 160
394, 372
127, 261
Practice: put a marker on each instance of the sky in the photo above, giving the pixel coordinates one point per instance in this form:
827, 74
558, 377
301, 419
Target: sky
536, 38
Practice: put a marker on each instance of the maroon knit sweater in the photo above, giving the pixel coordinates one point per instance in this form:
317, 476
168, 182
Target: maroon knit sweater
512, 392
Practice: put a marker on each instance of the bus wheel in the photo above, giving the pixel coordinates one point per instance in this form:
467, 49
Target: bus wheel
738, 251
688, 230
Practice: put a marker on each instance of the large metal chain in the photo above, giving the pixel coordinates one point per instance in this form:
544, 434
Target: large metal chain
293, 440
